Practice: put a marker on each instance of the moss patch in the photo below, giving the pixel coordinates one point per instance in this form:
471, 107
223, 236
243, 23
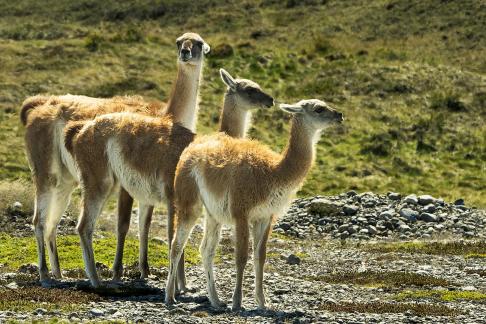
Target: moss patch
31, 298
443, 295
466, 248
15, 251
382, 307
383, 279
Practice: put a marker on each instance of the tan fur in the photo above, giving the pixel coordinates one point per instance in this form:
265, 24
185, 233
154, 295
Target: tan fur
139, 152
29, 104
52, 167
244, 184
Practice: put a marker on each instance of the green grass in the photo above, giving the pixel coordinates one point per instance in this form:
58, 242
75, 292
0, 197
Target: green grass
467, 248
15, 251
443, 295
382, 279
410, 80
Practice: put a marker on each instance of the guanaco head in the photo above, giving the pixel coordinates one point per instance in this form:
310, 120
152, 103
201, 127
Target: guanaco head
247, 94
192, 49
315, 113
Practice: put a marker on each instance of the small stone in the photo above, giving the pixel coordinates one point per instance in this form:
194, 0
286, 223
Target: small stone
178, 311
351, 193
28, 268
96, 312
459, 202
425, 199
350, 210
353, 229
427, 217
324, 207
369, 203
387, 214
292, 259
17, 205
411, 199
13, 285
404, 228
285, 226
394, 196
343, 228
469, 288
364, 231
40, 311
372, 230
409, 214
430, 208
344, 235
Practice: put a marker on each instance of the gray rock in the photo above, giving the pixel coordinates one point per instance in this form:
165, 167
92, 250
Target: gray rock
404, 228
426, 199
17, 205
343, 228
353, 229
344, 235
12, 285
28, 268
372, 230
411, 199
387, 214
292, 259
394, 196
96, 312
409, 214
459, 202
350, 210
427, 217
40, 311
324, 207
430, 208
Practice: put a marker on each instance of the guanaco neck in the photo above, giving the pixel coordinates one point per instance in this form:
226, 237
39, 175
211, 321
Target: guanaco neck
234, 119
299, 154
183, 103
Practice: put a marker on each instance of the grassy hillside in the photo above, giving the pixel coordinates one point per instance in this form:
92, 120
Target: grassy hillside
408, 75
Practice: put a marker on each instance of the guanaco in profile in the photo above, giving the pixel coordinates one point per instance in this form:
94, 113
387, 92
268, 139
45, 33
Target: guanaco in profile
244, 184
141, 154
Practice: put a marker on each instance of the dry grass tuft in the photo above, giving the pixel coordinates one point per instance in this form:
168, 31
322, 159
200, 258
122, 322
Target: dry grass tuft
382, 307
13, 191
383, 279
467, 248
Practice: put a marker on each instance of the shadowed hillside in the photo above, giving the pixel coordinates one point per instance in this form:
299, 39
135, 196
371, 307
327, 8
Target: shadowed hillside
408, 75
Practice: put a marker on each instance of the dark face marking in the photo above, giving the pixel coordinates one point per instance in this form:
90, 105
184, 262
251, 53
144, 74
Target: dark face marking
255, 96
329, 114
189, 49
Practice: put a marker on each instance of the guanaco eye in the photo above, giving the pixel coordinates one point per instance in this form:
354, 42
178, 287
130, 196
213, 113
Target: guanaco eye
319, 110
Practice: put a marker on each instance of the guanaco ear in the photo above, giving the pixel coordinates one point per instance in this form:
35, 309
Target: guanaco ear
227, 79
206, 48
293, 109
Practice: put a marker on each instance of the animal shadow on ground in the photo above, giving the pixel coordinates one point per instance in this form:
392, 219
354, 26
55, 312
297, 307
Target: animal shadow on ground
141, 290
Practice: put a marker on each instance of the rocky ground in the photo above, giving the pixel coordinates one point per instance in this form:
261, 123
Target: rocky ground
381, 217
323, 266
